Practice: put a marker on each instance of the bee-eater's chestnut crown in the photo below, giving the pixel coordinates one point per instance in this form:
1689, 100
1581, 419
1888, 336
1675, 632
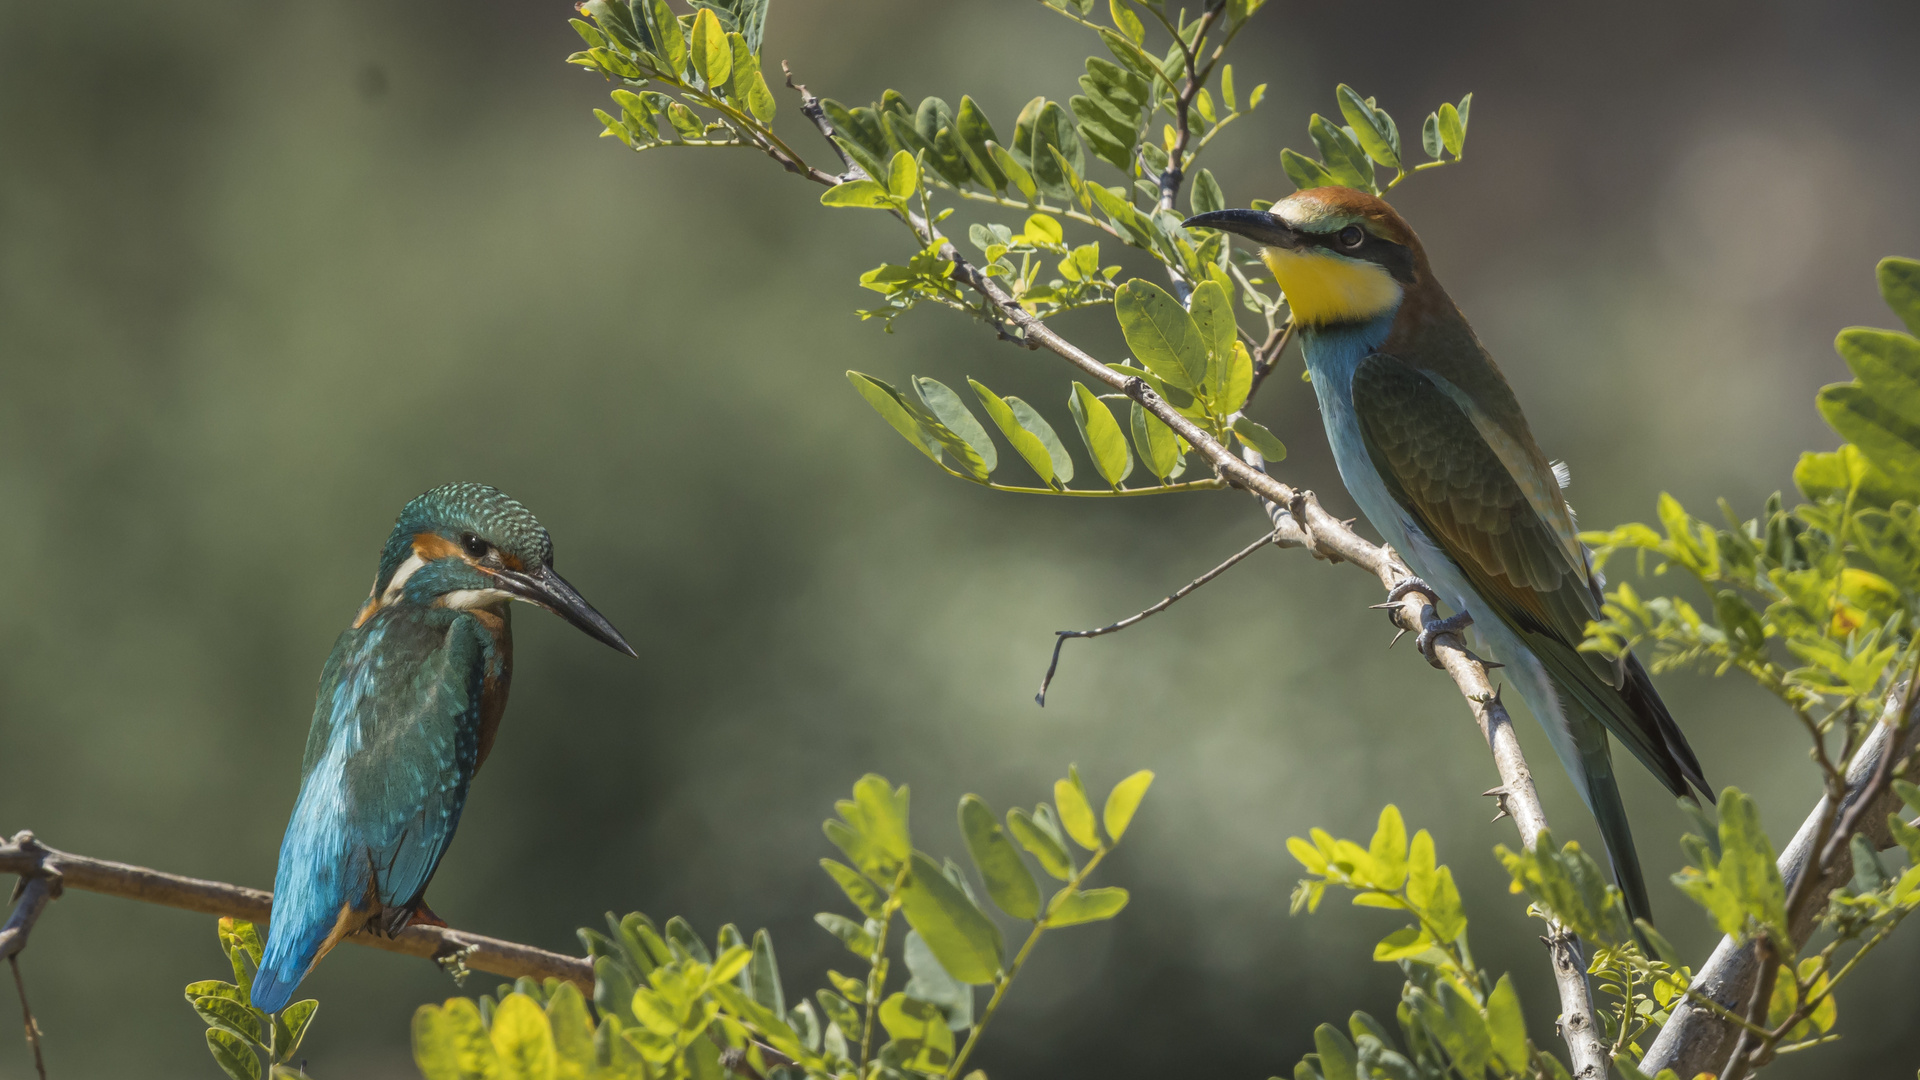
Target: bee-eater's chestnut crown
1340, 255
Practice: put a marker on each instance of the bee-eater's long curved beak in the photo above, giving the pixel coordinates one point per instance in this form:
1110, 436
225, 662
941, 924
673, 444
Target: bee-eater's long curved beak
1259, 226
549, 590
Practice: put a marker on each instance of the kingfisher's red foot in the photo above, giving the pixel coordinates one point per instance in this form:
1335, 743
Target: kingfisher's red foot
424, 916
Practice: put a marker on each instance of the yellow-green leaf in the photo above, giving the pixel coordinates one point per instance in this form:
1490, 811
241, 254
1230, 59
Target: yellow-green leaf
1008, 881
1076, 813
712, 56
1101, 434
965, 940
1071, 907
1123, 800
1257, 437
1053, 857
451, 1043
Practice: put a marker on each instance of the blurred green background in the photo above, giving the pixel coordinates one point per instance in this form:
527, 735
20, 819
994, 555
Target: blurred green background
269, 270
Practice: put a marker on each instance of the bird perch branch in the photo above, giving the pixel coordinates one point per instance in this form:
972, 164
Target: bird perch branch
1304, 523
48, 870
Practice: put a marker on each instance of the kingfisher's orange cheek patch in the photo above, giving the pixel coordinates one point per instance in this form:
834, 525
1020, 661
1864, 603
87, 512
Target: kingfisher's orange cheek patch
432, 546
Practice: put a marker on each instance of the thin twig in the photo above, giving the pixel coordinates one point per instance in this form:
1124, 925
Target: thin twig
219, 898
26, 1016
1061, 636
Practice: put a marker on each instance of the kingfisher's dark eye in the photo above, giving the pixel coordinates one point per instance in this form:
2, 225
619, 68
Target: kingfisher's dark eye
1353, 236
473, 545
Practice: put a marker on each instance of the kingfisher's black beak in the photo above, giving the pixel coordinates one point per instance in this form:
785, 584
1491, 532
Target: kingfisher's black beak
1259, 226
549, 590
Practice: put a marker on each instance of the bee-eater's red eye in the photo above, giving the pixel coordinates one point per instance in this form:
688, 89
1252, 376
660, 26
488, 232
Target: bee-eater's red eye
1352, 236
474, 546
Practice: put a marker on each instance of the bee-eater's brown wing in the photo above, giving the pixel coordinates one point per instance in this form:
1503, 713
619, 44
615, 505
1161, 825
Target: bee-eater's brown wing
1442, 471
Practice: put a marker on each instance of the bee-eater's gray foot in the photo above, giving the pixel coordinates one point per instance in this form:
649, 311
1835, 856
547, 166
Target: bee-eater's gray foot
1411, 585
1452, 624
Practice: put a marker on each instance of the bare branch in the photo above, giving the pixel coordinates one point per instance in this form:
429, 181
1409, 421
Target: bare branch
1061, 636
26, 856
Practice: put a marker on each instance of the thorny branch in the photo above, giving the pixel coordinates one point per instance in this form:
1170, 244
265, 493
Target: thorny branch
1300, 521
27, 857
1061, 636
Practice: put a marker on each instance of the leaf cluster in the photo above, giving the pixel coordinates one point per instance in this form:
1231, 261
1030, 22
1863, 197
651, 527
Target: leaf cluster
1454, 1019
1350, 152
246, 1042
672, 1007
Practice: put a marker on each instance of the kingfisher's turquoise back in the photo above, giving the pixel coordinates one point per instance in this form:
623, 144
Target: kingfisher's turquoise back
405, 712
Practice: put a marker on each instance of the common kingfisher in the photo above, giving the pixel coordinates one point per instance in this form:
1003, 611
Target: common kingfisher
1430, 440
410, 700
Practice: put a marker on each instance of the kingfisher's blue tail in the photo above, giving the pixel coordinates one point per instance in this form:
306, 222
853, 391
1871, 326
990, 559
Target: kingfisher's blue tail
313, 884
287, 960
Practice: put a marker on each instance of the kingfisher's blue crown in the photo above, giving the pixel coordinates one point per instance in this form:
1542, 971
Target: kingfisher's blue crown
481, 510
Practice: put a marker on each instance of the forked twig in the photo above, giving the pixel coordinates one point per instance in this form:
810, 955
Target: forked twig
1061, 636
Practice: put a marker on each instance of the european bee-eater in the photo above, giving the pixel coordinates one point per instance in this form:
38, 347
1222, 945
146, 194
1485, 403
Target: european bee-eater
409, 703
1431, 442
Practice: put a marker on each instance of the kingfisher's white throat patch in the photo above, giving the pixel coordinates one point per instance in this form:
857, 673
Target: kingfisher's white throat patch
1324, 288
463, 599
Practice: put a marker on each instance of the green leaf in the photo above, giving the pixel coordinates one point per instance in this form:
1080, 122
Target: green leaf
1747, 868
1239, 380
1051, 853
976, 132
1452, 129
684, 942
232, 1054
1206, 196
763, 975
1123, 800
903, 177
1506, 1027
1344, 159
1126, 21
672, 41
921, 1029
1213, 313
1403, 944
1260, 439
1461, 1029
451, 1043
712, 56
1101, 432
291, 1027
1161, 334
851, 934
1014, 170
858, 889
1338, 1058
1900, 287
1052, 127
1389, 850
1030, 419
1370, 126
1430, 139
572, 1033
1029, 446
965, 940
1009, 882
1305, 172
1159, 447
943, 403
230, 1014
1071, 907
522, 1038
861, 194
929, 982
1076, 813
